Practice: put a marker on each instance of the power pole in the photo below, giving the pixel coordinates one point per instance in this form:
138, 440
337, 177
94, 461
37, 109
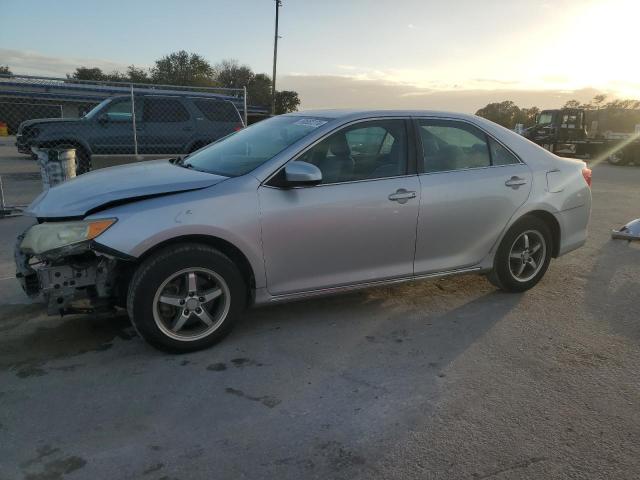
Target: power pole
275, 60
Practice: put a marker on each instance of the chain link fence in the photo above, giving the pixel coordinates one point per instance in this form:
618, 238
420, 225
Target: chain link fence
107, 123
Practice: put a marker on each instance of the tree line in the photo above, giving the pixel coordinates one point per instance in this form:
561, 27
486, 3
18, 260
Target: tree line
508, 114
192, 70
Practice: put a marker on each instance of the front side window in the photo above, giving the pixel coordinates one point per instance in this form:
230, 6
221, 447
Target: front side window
119, 110
545, 118
164, 110
366, 150
247, 149
450, 145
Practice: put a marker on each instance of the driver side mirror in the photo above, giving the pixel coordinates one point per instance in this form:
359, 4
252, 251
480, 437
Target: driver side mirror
103, 118
298, 174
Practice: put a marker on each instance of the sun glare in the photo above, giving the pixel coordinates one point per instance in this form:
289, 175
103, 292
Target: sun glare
596, 47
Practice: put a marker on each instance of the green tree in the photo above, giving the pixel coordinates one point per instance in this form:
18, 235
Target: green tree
137, 75
86, 73
182, 68
4, 70
573, 104
598, 100
528, 116
504, 113
623, 104
259, 90
287, 101
230, 74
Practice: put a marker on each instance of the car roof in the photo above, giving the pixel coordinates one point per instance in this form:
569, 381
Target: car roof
353, 114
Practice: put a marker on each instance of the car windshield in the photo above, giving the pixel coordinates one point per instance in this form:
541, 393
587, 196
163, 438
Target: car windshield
249, 148
91, 113
545, 118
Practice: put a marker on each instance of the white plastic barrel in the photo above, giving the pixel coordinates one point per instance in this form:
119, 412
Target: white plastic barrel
57, 165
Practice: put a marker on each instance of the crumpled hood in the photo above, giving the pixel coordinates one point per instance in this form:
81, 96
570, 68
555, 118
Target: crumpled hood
92, 191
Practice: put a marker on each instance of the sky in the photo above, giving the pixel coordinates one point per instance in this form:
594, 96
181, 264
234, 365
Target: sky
453, 54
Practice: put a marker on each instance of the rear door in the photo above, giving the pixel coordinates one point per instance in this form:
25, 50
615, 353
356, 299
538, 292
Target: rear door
471, 185
166, 127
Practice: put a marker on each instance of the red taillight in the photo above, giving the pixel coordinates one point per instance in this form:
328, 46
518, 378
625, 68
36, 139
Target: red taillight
238, 127
586, 173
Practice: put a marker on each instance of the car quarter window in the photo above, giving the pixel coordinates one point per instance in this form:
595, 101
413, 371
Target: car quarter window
365, 150
450, 145
164, 110
217, 111
500, 155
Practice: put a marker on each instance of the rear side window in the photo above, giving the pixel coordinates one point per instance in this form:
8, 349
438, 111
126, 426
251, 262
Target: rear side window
164, 110
450, 145
500, 155
217, 111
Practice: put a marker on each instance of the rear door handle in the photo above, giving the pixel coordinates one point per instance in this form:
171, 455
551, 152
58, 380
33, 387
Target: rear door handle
515, 182
402, 196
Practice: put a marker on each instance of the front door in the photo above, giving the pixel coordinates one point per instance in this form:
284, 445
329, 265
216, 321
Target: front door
358, 226
471, 186
111, 131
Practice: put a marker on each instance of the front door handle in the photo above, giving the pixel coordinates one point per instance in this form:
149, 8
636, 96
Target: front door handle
515, 182
402, 196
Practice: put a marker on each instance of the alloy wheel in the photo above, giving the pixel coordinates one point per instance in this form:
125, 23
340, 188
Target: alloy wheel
527, 255
191, 304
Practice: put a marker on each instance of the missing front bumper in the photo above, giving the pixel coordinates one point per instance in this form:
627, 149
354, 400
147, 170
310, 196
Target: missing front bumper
78, 282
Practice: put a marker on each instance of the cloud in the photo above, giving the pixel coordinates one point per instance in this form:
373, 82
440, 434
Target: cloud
32, 63
340, 91
354, 87
411, 26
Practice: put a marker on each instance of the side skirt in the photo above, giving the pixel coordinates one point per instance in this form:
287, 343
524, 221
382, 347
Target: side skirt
262, 297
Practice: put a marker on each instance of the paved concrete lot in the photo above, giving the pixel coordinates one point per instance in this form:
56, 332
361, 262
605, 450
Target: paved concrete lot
438, 379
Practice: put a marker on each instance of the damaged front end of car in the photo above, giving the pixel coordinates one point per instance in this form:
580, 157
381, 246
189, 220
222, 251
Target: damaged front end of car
60, 263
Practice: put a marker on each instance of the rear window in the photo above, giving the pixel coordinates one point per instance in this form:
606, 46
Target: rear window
217, 111
164, 110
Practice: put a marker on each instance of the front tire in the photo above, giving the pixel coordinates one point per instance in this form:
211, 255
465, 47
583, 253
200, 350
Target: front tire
186, 297
523, 255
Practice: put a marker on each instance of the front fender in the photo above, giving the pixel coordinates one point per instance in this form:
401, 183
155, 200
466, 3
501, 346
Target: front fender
227, 211
53, 139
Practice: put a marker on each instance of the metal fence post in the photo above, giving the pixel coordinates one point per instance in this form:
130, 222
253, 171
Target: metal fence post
1, 197
244, 91
133, 122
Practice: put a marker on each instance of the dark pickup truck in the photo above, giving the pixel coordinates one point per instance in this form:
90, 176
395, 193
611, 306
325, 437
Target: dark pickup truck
163, 124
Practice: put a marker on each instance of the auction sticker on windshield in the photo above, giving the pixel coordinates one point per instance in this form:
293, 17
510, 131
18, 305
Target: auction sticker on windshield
310, 122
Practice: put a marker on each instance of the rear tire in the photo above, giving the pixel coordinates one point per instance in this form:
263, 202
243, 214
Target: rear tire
83, 161
186, 297
617, 158
523, 255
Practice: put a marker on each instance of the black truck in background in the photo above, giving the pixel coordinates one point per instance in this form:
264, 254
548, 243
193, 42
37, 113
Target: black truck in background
609, 133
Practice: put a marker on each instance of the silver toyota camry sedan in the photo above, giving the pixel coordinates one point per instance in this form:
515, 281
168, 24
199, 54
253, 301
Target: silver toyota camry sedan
299, 205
